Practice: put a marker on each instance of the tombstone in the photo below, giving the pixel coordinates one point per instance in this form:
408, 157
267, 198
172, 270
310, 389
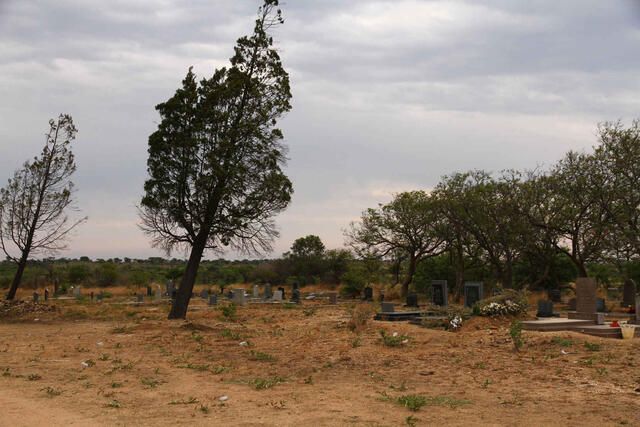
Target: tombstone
46, 295
295, 296
284, 295
412, 299
238, 297
77, 291
36, 297
629, 293
149, 291
158, 296
439, 293
638, 310
333, 298
473, 292
213, 299
545, 308
554, 295
169, 288
267, 291
256, 291
100, 296
140, 298
586, 299
368, 293
600, 305
387, 307
204, 294
277, 295
572, 304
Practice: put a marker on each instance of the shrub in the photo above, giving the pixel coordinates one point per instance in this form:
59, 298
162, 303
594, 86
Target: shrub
359, 316
393, 340
515, 331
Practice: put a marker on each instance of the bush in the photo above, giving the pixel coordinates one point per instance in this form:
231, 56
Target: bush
509, 303
359, 316
515, 331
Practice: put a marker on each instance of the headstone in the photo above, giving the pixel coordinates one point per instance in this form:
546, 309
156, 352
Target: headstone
473, 292
213, 299
600, 305
46, 295
545, 308
158, 296
586, 299
412, 299
169, 288
77, 291
284, 295
638, 310
629, 293
295, 296
268, 294
387, 307
140, 298
554, 295
204, 294
573, 304
368, 293
439, 293
256, 291
100, 296
238, 297
149, 291
333, 298
36, 297
277, 295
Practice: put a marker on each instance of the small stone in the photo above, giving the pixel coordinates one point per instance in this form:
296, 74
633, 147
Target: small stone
244, 344
223, 398
84, 364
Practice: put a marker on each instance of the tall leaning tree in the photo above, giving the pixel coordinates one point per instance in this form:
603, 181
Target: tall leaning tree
215, 161
35, 203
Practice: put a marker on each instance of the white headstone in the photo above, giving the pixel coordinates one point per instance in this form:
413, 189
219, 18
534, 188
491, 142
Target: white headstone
158, 294
277, 296
256, 291
77, 291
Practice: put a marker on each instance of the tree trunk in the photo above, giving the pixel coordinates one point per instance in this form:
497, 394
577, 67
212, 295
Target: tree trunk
183, 294
407, 281
18, 277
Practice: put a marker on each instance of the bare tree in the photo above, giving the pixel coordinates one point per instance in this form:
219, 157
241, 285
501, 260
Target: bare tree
34, 204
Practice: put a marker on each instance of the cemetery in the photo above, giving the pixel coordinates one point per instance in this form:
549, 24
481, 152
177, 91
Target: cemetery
291, 355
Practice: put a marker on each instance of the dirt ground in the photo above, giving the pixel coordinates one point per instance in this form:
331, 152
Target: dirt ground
283, 365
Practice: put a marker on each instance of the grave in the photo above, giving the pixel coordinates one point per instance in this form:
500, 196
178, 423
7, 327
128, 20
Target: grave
333, 297
213, 299
238, 297
277, 295
36, 297
295, 296
368, 293
169, 288
545, 308
140, 298
412, 299
256, 291
149, 291
283, 293
439, 293
586, 300
204, 294
77, 291
158, 296
387, 307
629, 293
100, 297
473, 292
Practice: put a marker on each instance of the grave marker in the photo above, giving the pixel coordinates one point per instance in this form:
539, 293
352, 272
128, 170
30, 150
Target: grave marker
333, 298
256, 291
36, 297
158, 296
295, 296
77, 291
586, 299
439, 293
238, 297
213, 299
545, 308
277, 295
368, 293
284, 295
387, 307
268, 294
629, 293
473, 292
412, 299
140, 298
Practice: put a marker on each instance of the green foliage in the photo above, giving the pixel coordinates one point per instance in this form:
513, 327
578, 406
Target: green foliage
229, 311
266, 383
515, 332
592, 346
106, 274
393, 340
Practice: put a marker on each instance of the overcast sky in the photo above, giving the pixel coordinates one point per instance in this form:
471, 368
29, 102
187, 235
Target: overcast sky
387, 95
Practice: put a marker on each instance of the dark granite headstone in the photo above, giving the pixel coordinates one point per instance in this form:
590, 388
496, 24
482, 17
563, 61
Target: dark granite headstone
387, 307
412, 299
46, 295
368, 293
36, 297
295, 296
439, 293
554, 295
545, 308
629, 293
204, 294
149, 291
473, 292
586, 299
267, 291
213, 299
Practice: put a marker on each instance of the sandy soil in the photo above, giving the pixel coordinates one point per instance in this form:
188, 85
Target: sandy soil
140, 369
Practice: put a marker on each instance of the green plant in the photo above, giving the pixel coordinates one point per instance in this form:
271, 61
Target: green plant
562, 342
103, 357
150, 382
359, 316
515, 331
229, 311
197, 337
356, 342
189, 401
263, 357
228, 333
592, 346
393, 340
204, 409
412, 401
52, 392
308, 312
116, 385
266, 383
411, 421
